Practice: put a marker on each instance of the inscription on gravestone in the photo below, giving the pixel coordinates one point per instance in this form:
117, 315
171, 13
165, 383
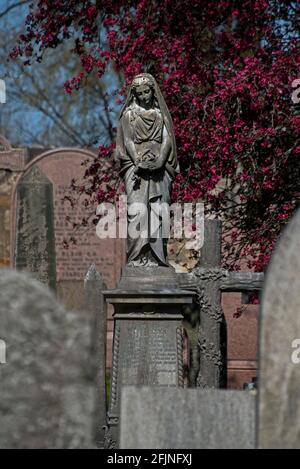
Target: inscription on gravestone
148, 341
148, 353
61, 167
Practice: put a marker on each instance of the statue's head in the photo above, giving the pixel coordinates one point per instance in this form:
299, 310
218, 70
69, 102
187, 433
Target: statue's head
143, 89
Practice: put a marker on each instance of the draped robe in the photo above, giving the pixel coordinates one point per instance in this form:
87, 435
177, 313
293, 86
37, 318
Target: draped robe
145, 129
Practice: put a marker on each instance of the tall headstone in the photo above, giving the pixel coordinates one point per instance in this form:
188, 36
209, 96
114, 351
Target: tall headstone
279, 349
4, 225
35, 238
96, 306
46, 383
186, 418
62, 167
12, 162
148, 335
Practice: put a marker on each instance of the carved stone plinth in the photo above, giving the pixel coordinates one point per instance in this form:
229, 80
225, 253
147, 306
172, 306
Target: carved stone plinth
148, 337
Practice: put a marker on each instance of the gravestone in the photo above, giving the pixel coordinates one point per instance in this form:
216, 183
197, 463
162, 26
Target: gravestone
61, 167
12, 162
47, 383
4, 227
186, 418
96, 306
148, 334
35, 238
279, 375
2, 92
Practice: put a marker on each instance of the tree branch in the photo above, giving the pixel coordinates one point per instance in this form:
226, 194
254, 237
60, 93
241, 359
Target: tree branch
13, 6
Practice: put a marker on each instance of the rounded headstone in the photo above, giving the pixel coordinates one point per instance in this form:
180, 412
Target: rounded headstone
279, 377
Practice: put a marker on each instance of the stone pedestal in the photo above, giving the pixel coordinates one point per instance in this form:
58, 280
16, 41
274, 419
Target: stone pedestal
148, 337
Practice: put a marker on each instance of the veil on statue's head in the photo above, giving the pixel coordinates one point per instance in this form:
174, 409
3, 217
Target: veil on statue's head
160, 103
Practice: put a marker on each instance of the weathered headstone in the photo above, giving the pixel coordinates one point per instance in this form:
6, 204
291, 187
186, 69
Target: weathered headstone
35, 238
186, 419
62, 166
4, 227
46, 385
279, 364
148, 335
96, 306
12, 162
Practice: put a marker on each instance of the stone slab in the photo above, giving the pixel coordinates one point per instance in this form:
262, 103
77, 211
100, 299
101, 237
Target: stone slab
47, 384
279, 345
175, 418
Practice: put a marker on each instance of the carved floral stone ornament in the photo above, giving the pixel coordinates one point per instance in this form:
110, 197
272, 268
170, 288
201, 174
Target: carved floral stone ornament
143, 80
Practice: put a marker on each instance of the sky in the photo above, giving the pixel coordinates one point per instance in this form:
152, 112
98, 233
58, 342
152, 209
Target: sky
26, 124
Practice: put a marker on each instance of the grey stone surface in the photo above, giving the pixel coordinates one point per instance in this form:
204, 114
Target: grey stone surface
279, 377
148, 278
96, 306
148, 352
244, 282
47, 383
212, 328
35, 238
170, 418
205, 321
148, 336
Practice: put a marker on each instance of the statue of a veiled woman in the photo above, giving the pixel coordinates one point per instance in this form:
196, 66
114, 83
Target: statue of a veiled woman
146, 149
